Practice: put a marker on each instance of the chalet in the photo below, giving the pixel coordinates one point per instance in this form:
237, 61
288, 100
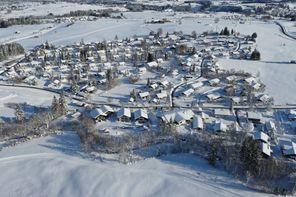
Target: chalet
220, 127
222, 113
265, 149
153, 86
196, 85
260, 136
254, 117
161, 95
152, 64
97, 115
90, 89
183, 117
197, 122
124, 114
289, 150
144, 95
164, 83
214, 82
188, 92
230, 79
270, 126
107, 110
292, 115
141, 116
213, 96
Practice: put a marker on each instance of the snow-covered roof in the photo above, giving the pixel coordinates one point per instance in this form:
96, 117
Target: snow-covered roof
144, 94
196, 85
188, 92
265, 148
124, 112
140, 113
254, 116
222, 112
270, 125
220, 126
197, 122
107, 109
258, 135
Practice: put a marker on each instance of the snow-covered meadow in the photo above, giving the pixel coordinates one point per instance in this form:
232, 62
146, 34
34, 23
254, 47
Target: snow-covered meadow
56, 166
22, 95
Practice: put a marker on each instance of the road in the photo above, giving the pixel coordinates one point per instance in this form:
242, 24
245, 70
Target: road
284, 31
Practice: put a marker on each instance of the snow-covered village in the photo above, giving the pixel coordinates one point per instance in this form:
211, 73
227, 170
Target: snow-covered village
147, 98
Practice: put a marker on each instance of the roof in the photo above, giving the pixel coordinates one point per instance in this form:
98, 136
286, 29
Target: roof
258, 135
197, 122
196, 85
144, 94
222, 112
161, 95
95, 113
220, 126
265, 148
106, 108
214, 81
183, 116
124, 112
254, 116
188, 92
152, 64
140, 113
291, 151
270, 125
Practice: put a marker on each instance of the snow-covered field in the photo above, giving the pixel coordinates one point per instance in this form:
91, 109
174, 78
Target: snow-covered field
55, 166
22, 95
58, 8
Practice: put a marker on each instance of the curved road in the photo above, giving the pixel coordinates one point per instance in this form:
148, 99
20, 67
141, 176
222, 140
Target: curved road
284, 31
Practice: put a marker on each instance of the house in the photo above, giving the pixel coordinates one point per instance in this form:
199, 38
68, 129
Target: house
213, 96
230, 79
144, 95
197, 122
292, 115
97, 114
107, 110
188, 92
164, 83
214, 82
161, 95
152, 64
220, 127
222, 113
289, 150
153, 86
196, 86
141, 115
259, 135
265, 149
270, 126
124, 114
183, 117
254, 117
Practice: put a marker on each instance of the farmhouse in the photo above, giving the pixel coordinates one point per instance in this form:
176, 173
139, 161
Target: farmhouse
254, 117
141, 115
197, 122
124, 114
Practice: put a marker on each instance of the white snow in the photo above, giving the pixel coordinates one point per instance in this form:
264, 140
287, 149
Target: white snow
22, 95
54, 166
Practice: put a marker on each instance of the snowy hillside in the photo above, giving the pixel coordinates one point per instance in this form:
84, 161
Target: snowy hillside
54, 166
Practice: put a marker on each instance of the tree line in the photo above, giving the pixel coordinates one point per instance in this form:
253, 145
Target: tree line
11, 49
